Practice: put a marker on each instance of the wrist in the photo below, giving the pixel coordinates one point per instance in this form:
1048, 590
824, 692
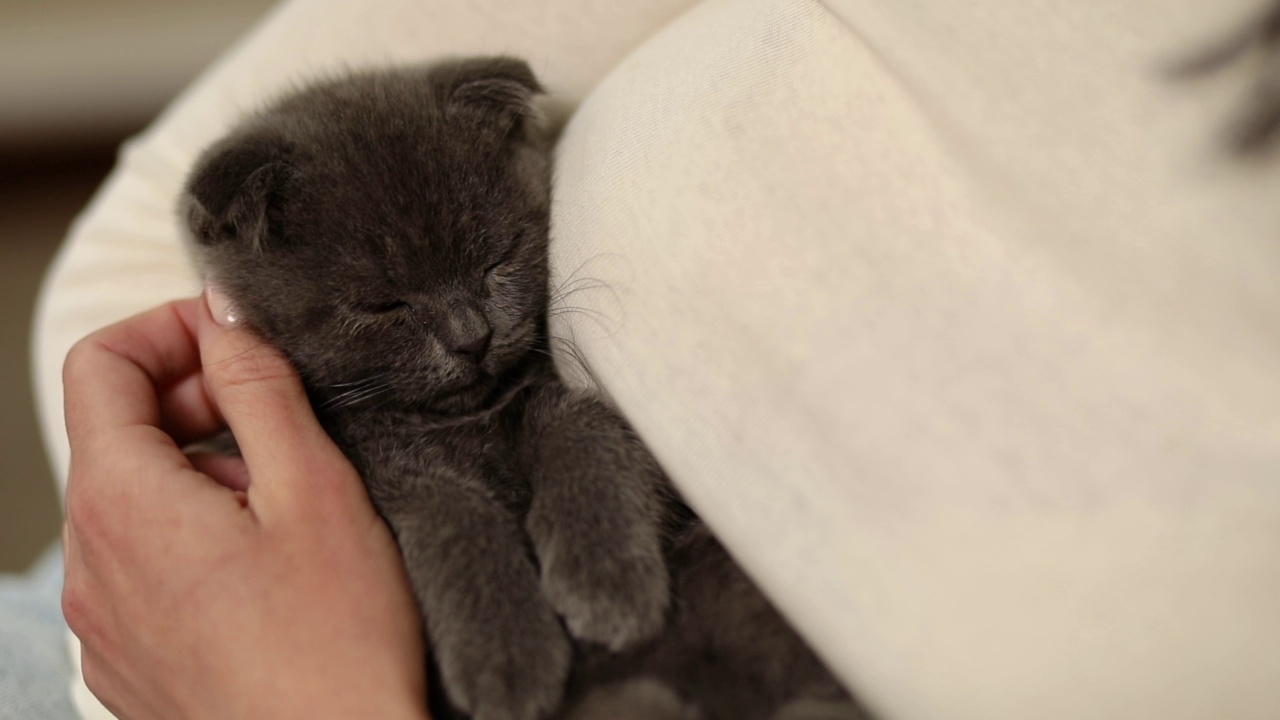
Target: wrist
375, 701
374, 711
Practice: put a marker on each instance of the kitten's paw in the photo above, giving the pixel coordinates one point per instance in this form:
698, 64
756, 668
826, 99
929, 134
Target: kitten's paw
608, 597
641, 699
516, 670
812, 709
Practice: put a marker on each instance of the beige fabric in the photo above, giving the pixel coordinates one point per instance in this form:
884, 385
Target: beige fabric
949, 317
965, 341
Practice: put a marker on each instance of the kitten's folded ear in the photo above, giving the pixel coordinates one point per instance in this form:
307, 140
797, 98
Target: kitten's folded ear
500, 88
234, 184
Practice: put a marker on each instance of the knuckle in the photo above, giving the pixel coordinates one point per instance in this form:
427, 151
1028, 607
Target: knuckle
77, 507
82, 511
76, 611
328, 498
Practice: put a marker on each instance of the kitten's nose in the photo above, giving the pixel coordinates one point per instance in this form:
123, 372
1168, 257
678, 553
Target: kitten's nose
473, 347
467, 333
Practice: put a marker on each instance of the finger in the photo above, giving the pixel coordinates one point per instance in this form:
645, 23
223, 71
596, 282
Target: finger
227, 470
261, 397
113, 377
160, 346
187, 413
113, 410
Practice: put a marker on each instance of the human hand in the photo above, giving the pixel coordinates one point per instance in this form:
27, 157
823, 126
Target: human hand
203, 588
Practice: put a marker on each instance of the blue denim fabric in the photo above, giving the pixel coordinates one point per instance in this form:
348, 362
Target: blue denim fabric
35, 668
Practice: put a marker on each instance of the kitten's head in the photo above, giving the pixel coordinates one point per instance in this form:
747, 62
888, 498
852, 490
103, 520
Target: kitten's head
388, 231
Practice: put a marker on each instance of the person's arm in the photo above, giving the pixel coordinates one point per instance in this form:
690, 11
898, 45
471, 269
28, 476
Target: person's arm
262, 588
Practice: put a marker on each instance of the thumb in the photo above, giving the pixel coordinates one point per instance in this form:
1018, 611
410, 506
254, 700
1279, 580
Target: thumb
259, 394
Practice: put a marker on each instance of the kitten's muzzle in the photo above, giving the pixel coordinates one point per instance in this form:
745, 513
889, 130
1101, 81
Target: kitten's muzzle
465, 333
473, 349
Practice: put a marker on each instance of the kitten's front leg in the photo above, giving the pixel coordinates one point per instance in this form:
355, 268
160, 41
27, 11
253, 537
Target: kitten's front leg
596, 518
502, 652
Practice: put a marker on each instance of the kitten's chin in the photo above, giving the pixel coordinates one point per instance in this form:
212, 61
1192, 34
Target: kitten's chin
482, 386
465, 399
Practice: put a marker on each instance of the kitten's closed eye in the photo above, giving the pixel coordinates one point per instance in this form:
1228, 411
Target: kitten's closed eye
386, 307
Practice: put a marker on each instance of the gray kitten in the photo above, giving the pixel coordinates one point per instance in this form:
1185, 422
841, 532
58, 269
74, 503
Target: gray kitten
388, 231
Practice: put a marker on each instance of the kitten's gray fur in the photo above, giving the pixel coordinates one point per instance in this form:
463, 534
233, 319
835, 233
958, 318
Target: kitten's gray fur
1257, 124
388, 231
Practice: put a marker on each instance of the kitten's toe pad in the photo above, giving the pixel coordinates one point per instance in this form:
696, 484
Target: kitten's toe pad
642, 699
813, 709
614, 601
517, 672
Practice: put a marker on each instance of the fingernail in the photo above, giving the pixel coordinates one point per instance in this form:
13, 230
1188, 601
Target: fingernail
219, 306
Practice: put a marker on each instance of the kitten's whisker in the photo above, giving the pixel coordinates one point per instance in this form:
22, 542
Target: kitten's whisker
569, 345
371, 409
572, 285
569, 289
352, 387
570, 352
581, 265
369, 412
601, 319
353, 383
356, 395
598, 315
351, 402
367, 394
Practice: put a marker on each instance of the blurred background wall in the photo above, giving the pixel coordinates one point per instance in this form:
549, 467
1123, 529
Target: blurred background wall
76, 78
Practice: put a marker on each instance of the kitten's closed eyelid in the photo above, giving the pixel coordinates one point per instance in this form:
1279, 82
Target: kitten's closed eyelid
385, 307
